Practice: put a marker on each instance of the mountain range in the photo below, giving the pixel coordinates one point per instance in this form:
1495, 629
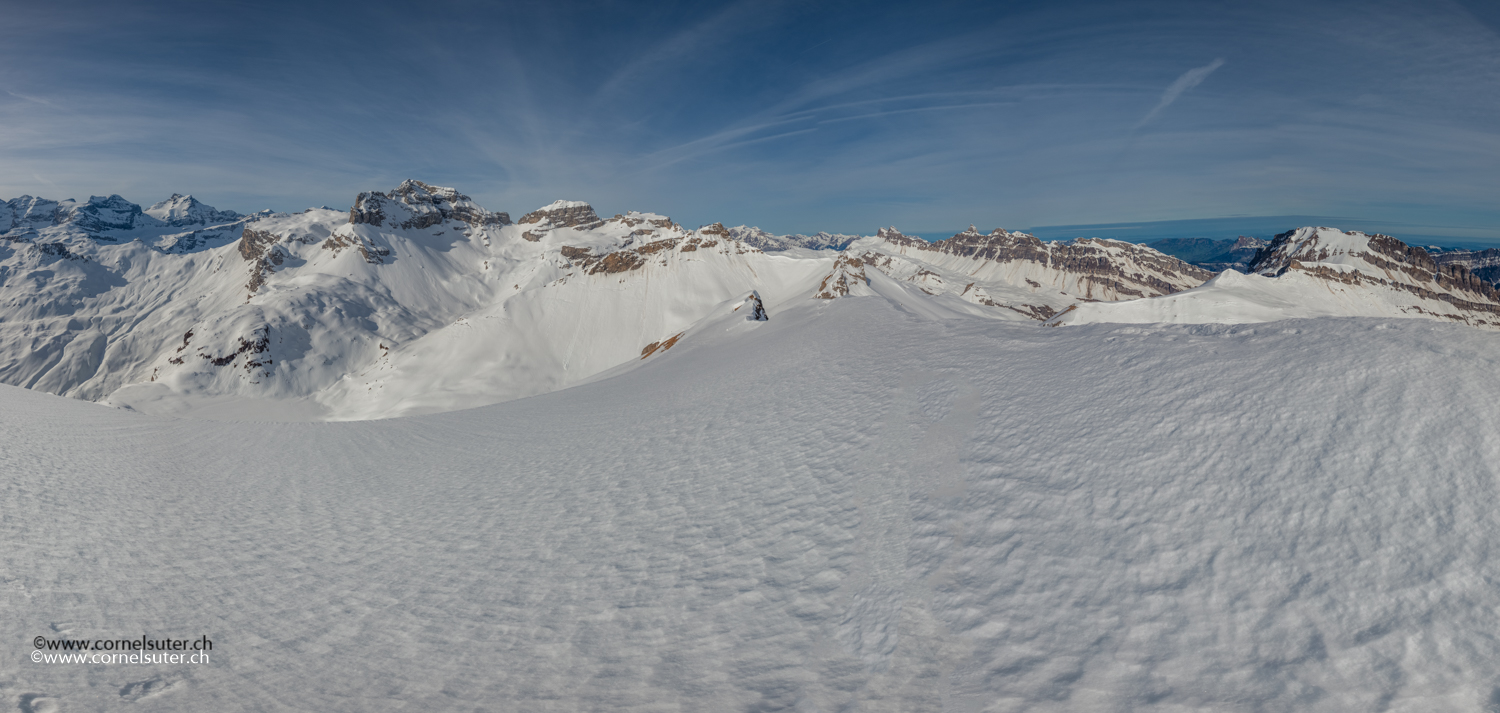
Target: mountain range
418, 300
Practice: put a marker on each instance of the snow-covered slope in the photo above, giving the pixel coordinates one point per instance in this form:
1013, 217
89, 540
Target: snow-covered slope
1011, 275
1312, 272
178, 224
847, 507
180, 210
415, 300
419, 300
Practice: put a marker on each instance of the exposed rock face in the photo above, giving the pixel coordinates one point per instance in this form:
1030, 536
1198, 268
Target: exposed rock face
415, 205
373, 254
27, 214
847, 277
103, 214
769, 242
656, 247
895, 237
563, 214
1213, 255
1485, 264
644, 224
1247, 246
661, 346
254, 244
755, 309
1382, 261
1124, 269
22, 217
619, 260
259, 249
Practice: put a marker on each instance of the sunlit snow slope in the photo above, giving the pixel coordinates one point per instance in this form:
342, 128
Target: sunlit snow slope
848, 507
417, 300
1313, 272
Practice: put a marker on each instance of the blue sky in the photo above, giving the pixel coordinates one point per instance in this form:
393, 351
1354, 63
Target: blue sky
794, 116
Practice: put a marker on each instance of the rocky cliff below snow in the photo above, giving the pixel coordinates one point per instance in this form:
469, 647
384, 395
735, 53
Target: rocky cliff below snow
1317, 271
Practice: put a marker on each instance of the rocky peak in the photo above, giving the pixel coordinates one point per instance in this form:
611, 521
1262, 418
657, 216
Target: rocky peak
896, 237
1245, 242
102, 214
998, 244
563, 214
414, 205
715, 229
846, 278
1378, 260
181, 210
31, 212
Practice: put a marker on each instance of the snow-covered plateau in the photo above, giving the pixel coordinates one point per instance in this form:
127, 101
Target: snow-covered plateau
575, 463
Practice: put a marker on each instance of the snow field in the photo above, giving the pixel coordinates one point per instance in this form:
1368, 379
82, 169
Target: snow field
849, 507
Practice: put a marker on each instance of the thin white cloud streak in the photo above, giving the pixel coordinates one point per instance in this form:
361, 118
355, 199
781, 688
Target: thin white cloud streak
37, 100
686, 43
726, 146
879, 114
1188, 80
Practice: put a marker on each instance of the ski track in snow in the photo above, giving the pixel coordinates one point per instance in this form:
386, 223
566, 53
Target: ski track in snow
855, 510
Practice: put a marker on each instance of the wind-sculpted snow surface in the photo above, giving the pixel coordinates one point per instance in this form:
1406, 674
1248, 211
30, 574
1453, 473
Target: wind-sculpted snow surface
847, 507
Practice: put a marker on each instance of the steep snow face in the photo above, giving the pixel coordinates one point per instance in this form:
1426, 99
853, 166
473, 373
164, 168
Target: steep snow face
771, 243
1312, 272
179, 211
847, 508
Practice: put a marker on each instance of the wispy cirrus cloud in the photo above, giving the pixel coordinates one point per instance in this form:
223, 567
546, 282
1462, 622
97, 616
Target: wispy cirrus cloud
796, 116
1184, 84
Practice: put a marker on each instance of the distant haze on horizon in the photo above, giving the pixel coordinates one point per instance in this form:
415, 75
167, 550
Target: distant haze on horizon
794, 117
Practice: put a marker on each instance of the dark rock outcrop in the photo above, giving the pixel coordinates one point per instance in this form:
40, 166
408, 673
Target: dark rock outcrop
1090, 258
1406, 268
563, 214
847, 272
1484, 264
415, 205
